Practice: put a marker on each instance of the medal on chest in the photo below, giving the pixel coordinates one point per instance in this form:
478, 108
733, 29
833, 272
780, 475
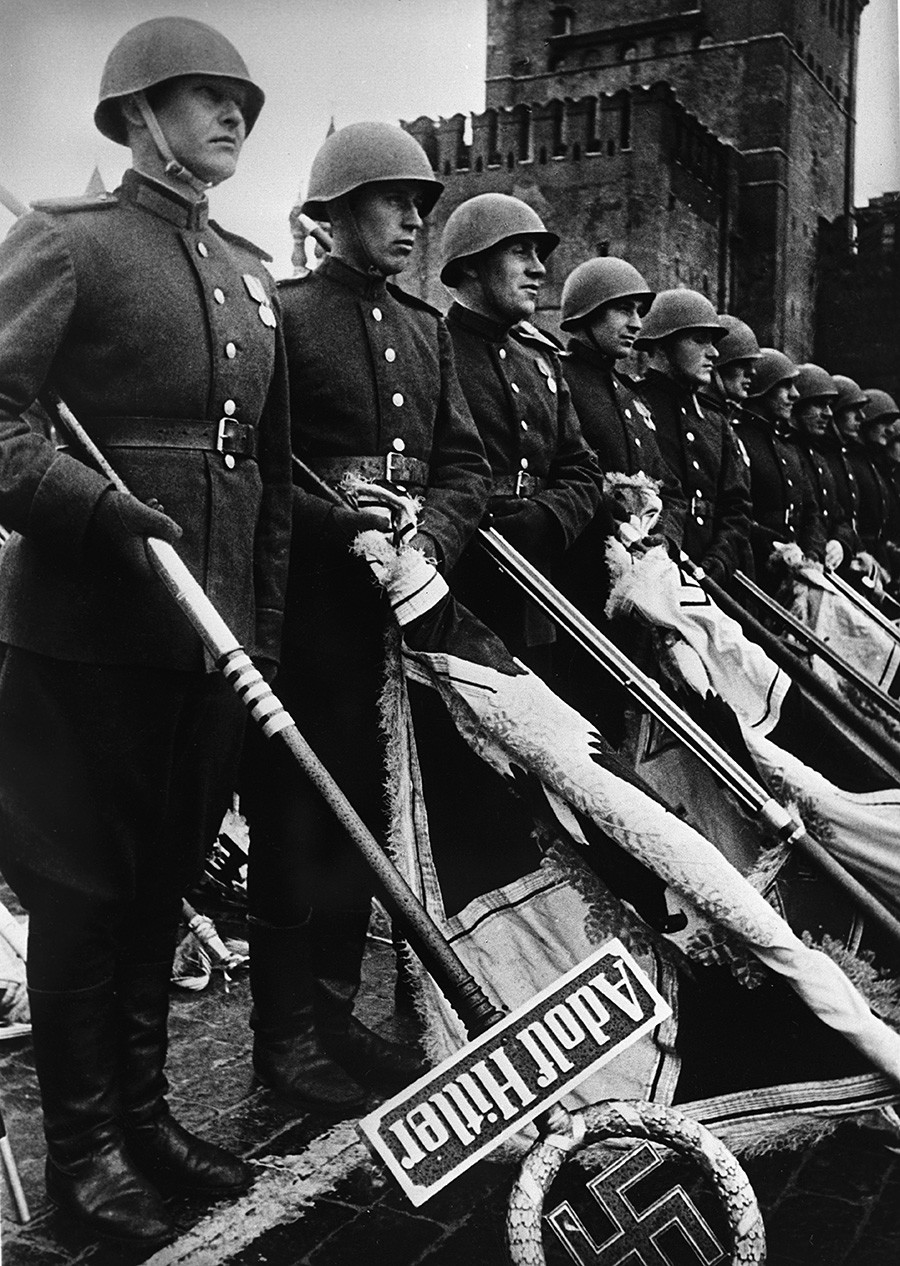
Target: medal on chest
257, 292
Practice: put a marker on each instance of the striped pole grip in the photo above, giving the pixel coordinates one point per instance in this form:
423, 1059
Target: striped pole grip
256, 694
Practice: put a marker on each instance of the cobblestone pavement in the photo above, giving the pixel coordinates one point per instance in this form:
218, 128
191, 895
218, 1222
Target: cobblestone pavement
320, 1200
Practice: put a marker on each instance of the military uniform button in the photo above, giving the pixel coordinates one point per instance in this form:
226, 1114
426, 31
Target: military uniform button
230, 351
637, 441
524, 463
551, 384
627, 413
202, 249
524, 425
229, 407
377, 314
696, 465
689, 436
219, 295
700, 519
514, 387
390, 355
398, 444
229, 461
502, 353
397, 398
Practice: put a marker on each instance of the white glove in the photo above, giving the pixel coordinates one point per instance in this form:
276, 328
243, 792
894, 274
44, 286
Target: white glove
834, 554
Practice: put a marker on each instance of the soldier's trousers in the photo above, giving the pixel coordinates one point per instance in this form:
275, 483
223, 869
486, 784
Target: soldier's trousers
113, 783
330, 681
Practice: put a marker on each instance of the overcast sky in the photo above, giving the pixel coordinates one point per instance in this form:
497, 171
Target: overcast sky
315, 59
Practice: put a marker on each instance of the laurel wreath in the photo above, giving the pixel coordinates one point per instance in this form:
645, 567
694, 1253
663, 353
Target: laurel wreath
640, 1120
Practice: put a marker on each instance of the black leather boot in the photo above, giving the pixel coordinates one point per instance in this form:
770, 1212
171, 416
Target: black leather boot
165, 1151
287, 1054
89, 1172
338, 946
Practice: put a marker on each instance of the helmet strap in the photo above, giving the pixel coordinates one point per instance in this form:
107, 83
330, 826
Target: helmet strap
174, 169
373, 269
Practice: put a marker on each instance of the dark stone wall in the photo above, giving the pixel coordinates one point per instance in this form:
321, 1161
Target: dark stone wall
632, 175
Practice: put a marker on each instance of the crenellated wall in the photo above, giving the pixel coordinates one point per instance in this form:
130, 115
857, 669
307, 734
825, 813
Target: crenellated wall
630, 173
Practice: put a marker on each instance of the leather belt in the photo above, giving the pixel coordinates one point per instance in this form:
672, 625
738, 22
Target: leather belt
228, 435
520, 485
395, 468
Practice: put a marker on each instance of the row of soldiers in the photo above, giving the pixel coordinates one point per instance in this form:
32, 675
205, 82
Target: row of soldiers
236, 416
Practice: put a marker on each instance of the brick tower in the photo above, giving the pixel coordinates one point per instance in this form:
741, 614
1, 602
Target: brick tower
706, 140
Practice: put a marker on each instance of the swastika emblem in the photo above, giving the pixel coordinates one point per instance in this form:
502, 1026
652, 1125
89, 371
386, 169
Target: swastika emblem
670, 1232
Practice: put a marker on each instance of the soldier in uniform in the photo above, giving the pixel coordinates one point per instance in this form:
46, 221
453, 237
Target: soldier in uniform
118, 743
544, 478
883, 410
374, 394
860, 485
878, 417
816, 391
604, 301
733, 373
785, 524
683, 331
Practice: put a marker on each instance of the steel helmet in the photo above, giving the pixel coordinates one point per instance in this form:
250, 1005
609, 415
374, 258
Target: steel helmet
162, 49
813, 381
850, 394
485, 221
739, 342
674, 311
772, 368
880, 407
599, 281
363, 154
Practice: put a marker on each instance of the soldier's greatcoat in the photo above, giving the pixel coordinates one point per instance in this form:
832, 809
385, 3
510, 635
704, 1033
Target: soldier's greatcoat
136, 309
118, 744
514, 384
836, 524
372, 376
784, 502
702, 453
620, 429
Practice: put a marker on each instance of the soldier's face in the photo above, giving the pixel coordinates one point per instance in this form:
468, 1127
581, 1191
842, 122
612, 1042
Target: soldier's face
615, 326
203, 120
736, 378
848, 421
509, 279
877, 433
778, 402
692, 356
387, 219
813, 415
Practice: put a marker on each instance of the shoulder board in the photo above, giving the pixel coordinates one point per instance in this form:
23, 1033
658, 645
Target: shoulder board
412, 301
83, 202
236, 240
283, 282
528, 333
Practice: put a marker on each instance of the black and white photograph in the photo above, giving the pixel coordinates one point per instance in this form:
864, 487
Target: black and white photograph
449, 632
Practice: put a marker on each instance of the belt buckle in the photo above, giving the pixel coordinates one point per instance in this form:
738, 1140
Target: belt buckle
224, 434
389, 465
520, 481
